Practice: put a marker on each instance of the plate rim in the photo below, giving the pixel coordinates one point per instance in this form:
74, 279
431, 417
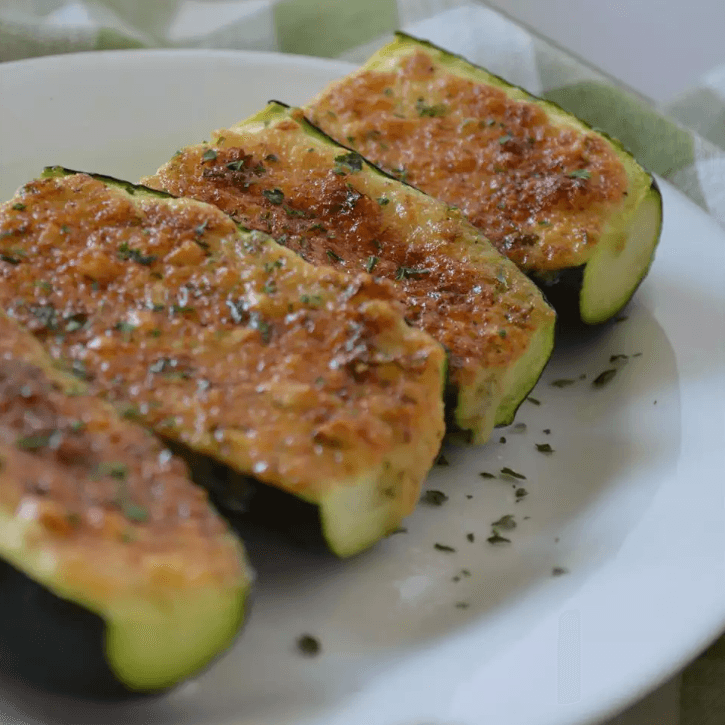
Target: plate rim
140, 56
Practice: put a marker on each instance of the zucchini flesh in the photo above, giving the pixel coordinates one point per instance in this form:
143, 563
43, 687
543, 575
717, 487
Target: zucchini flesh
277, 173
107, 549
551, 193
230, 345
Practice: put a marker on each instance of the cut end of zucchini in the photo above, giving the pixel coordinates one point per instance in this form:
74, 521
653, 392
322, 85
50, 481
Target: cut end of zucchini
147, 643
551, 193
621, 261
523, 376
505, 388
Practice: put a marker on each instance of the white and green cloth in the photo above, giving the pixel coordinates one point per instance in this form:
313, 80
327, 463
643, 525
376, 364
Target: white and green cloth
688, 152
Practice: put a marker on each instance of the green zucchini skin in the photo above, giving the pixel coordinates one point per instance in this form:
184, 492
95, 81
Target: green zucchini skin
414, 362
413, 226
627, 228
117, 577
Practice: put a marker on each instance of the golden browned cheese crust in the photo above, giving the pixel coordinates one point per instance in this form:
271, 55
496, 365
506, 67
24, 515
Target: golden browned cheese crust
539, 192
220, 340
105, 497
318, 201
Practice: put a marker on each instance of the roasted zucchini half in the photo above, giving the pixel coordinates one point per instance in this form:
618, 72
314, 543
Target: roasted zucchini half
570, 206
277, 173
117, 575
230, 345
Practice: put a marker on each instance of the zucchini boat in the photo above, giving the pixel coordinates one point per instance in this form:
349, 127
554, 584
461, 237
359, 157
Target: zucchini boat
568, 205
277, 173
117, 574
230, 345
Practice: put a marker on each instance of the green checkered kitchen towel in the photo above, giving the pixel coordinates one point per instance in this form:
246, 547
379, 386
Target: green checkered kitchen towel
689, 153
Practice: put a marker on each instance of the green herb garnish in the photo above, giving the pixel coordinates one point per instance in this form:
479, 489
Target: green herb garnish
19, 206
435, 111
332, 256
544, 448
486, 474
273, 196
409, 272
125, 327
535, 401
496, 538
134, 512
579, 174
562, 383
433, 498
559, 571
383, 200
351, 161
471, 537
506, 523
370, 264
506, 471
311, 300
603, 378
308, 645
114, 469
34, 442
208, 155
444, 547
127, 253
505, 139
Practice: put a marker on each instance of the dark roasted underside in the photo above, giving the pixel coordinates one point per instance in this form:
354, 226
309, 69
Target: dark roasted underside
244, 501
51, 643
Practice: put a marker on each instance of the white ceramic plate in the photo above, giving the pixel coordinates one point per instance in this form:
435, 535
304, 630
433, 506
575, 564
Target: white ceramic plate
631, 502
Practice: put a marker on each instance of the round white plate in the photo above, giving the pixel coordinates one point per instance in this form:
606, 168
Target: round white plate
631, 502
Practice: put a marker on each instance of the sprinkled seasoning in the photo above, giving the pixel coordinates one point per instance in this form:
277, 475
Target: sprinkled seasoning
308, 645
444, 547
410, 272
506, 522
35, 442
579, 174
506, 471
603, 378
273, 196
433, 498
562, 383
497, 539
435, 111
